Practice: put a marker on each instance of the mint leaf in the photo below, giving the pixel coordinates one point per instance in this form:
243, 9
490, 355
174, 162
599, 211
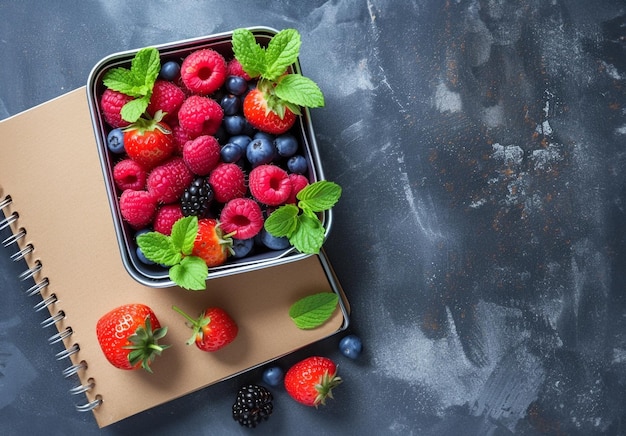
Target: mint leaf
283, 221
121, 80
191, 273
184, 233
145, 67
299, 90
282, 51
313, 311
319, 196
134, 108
248, 52
158, 248
309, 235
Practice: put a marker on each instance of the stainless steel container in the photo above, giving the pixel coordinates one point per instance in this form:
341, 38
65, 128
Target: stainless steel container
154, 275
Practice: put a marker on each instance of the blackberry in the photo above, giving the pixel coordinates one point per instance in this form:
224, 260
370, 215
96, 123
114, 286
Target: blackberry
253, 405
197, 197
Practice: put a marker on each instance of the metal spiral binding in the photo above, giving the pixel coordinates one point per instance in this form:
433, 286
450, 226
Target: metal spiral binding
46, 303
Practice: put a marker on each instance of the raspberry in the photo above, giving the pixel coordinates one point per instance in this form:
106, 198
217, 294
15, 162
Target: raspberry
165, 218
270, 184
203, 71
137, 207
228, 182
298, 182
128, 174
234, 68
200, 116
166, 97
168, 181
202, 154
111, 104
180, 138
243, 216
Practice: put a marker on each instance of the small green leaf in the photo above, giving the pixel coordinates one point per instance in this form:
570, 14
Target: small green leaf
319, 196
145, 66
248, 52
299, 90
309, 235
313, 311
184, 233
132, 110
191, 273
283, 221
158, 248
121, 80
282, 51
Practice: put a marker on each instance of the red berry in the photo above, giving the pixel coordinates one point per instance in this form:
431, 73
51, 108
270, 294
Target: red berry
211, 244
128, 174
298, 183
265, 117
168, 181
165, 218
270, 184
234, 68
202, 154
203, 71
180, 137
200, 116
137, 208
111, 104
312, 380
167, 98
149, 142
213, 330
243, 216
228, 181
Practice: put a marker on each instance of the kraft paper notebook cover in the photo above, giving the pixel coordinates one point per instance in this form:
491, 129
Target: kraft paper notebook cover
49, 167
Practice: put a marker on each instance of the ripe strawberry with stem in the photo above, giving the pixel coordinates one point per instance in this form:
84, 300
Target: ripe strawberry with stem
212, 330
211, 244
128, 336
273, 105
312, 380
149, 141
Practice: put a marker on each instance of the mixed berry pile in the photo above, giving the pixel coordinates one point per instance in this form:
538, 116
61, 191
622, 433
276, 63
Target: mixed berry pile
193, 152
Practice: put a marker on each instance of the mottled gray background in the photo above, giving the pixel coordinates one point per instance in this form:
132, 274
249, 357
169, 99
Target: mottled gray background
480, 238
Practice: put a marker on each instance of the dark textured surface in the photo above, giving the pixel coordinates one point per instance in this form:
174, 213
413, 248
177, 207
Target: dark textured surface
480, 238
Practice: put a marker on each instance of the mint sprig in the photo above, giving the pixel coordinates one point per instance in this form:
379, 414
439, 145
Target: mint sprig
138, 82
300, 223
187, 271
270, 65
314, 310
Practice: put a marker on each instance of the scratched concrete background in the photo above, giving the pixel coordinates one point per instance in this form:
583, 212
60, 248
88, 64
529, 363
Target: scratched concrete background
480, 238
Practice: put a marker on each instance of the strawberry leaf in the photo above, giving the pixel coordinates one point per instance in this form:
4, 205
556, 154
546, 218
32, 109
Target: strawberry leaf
299, 90
281, 52
283, 221
309, 235
248, 52
159, 248
184, 233
190, 273
319, 196
313, 311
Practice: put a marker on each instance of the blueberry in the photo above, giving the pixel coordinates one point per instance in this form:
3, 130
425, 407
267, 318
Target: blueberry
115, 141
230, 104
240, 141
350, 346
231, 153
236, 85
273, 376
242, 247
297, 164
264, 135
170, 71
234, 124
260, 151
286, 145
272, 242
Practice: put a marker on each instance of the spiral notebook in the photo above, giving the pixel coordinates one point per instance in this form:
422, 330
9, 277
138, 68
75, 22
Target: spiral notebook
54, 201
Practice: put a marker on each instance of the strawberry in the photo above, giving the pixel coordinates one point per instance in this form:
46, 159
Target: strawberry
149, 141
211, 244
213, 330
129, 335
266, 112
311, 380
